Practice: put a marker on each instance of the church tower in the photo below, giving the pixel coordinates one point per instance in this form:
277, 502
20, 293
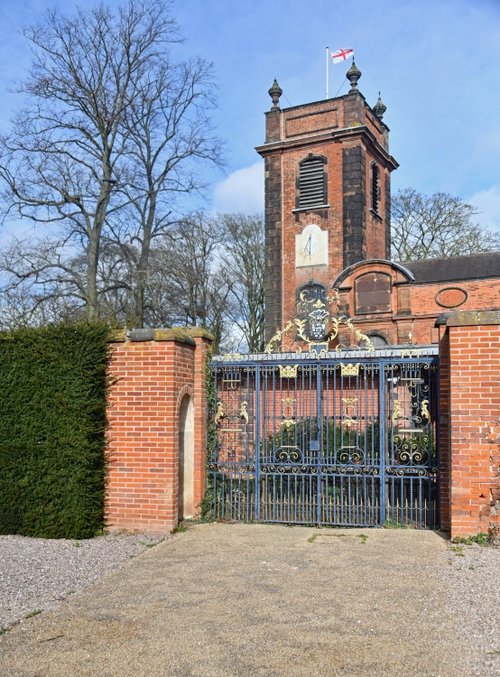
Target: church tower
327, 194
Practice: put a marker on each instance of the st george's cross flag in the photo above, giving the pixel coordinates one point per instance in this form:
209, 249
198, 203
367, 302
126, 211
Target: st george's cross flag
342, 55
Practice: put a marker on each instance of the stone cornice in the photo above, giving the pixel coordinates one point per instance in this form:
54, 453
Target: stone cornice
355, 132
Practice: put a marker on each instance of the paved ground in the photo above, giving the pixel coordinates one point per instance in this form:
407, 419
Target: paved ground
254, 600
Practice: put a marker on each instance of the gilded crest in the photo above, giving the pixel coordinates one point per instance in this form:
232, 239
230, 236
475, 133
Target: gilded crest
317, 324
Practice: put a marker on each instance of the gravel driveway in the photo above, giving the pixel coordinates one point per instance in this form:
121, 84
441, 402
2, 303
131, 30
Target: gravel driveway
257, 600
37, 573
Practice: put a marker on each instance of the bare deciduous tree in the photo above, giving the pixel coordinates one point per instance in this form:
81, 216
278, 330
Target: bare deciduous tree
76, 151
188, 286
439, 225
204, 271
169, 136
42, 281
243, 258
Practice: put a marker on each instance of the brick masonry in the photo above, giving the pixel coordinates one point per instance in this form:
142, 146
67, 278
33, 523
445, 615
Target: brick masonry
470, 423
346, 133
149, 377
273, 235
151, 373
414, 307
354, 205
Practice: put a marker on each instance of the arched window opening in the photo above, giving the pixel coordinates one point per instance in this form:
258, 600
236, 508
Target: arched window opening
375, 187
378, 340
312, 183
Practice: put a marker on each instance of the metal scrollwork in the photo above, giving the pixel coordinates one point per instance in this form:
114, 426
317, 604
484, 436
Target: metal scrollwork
350, 470
411, 352
424, 410
397, 411
288, 454
288, 421
232, 357
353, 455
276, 339
317, 325
398, 471
244, 412
411, 450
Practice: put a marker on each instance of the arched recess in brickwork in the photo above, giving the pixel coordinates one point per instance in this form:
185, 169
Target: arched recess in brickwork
186, 458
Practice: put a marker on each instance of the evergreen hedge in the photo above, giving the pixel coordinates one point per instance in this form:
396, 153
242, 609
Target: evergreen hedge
52, 430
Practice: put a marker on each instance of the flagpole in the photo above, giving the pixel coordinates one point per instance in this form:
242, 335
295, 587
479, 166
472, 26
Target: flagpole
327, 72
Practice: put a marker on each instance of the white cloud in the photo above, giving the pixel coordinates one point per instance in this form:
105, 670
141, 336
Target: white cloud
242, 191
488, 203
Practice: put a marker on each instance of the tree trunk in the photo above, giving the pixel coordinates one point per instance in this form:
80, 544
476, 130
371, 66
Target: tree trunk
143, 264
92, 262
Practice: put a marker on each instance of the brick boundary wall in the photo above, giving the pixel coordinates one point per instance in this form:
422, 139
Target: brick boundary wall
470, 422
150, 372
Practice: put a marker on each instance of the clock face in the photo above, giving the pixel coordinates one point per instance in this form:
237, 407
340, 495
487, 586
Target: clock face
311, 247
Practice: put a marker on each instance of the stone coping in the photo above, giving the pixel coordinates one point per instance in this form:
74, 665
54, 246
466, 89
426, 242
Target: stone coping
178, 334
469, 318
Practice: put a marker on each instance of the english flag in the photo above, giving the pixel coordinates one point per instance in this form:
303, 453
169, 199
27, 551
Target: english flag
342, 55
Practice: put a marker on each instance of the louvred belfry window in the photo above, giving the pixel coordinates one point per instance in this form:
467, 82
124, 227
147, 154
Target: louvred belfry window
375, 187
312, 183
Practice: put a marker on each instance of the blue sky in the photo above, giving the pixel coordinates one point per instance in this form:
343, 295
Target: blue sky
436, 63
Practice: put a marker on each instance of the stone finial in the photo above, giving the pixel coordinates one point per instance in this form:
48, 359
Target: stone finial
379, 108
353, 75
275, 92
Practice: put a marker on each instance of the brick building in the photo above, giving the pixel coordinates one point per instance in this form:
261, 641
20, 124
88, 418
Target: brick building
327, 211
327, 215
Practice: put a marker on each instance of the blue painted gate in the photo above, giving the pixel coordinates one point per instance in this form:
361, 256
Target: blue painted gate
343, 439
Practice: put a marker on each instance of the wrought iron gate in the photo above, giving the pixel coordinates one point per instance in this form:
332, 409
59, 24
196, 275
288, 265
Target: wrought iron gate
343, 439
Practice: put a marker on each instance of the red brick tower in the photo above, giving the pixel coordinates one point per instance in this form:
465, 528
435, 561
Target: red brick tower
327, 194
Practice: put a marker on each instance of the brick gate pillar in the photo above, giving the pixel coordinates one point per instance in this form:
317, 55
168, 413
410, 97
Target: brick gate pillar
470, 422
150, 372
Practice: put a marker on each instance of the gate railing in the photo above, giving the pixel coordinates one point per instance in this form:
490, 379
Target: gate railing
346, 439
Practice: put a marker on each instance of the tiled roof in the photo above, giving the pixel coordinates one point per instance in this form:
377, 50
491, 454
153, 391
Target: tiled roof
476, 266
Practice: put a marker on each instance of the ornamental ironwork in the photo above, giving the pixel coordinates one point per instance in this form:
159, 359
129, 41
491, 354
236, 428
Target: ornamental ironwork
319, 325
349, 369
288, 371
294, 439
